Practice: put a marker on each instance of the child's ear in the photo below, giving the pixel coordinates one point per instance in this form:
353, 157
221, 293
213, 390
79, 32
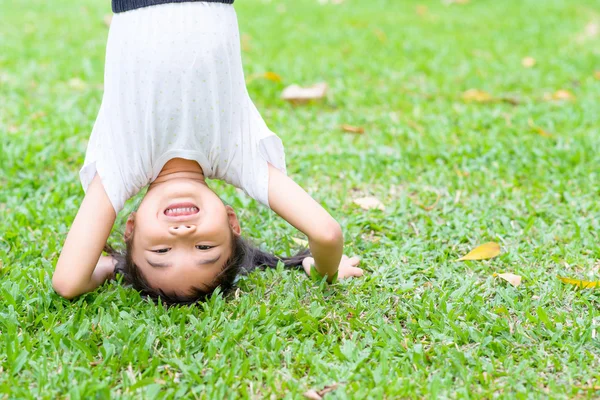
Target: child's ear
233, 221
129, 226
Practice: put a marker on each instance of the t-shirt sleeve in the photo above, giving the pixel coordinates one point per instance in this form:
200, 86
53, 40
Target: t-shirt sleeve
103, 160
247, 165
269, 151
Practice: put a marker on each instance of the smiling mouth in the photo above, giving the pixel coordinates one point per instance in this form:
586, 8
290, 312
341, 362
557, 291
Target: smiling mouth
180, 210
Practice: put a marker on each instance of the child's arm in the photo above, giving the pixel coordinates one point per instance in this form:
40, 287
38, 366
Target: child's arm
325, 236
80, 268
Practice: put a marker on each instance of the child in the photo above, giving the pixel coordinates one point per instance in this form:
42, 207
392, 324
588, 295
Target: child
176, 111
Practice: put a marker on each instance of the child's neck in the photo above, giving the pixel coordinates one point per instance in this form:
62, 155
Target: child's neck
179, 168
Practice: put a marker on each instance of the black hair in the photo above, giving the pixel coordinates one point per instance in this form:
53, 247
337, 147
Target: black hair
244, 259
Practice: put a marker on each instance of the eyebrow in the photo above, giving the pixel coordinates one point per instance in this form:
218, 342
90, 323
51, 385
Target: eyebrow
199, 263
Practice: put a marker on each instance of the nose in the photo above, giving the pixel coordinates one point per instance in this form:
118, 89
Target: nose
182, 230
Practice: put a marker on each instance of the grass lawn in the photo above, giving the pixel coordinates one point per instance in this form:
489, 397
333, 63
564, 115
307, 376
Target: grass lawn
518, 165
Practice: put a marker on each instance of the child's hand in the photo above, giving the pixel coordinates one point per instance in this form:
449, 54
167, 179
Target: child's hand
347, 269
105, 269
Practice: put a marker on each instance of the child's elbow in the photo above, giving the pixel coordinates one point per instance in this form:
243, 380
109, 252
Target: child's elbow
64, 288
331, 234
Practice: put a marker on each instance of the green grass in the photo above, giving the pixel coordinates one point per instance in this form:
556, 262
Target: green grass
418, 324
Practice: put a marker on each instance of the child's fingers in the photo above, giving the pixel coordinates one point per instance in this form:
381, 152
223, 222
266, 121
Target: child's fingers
351, 272
306, 264
354, 261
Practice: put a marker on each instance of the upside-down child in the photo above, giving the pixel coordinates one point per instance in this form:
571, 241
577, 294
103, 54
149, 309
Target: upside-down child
176, 111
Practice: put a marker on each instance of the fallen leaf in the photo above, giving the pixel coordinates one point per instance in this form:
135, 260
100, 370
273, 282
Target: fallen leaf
318, 394
513, 279
107, 19
312, 395
563, 95
477, 96
537, 129
483, 252
270, 76
588, 387
580, 283
370, 202
510, 100
298, 94
423, 206
559, 95
327, 389
528, 62
591, 30
480, 96
597, 75
353, 129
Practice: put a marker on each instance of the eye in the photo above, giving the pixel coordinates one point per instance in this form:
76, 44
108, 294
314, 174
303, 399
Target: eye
204, 247
160, 251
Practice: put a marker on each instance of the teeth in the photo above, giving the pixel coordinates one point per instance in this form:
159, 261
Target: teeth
181, 210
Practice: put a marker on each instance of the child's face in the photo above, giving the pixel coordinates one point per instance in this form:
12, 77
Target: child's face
182, 237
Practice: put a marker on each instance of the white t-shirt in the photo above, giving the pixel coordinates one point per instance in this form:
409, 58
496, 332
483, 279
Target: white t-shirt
178, 91
127, 163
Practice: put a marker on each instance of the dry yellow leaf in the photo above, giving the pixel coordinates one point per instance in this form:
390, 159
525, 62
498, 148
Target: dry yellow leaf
483, 252
421, 10
513, 279
423, 206
477, 96
353, 129
597, 75
272, 76
537, 129
369, 203
580, 283
559, 95
563, 95
528, 62
107, 19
